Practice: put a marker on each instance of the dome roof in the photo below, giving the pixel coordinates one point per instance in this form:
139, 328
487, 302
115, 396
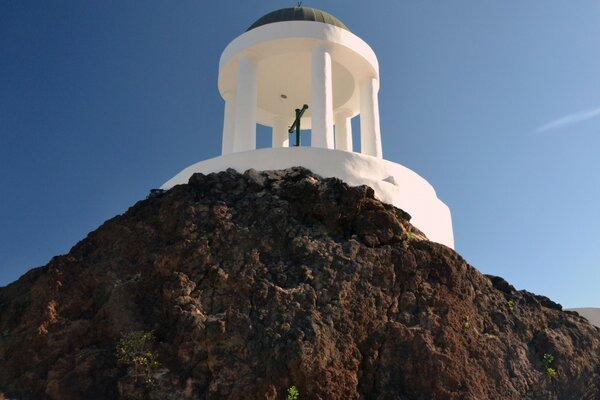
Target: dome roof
298, 14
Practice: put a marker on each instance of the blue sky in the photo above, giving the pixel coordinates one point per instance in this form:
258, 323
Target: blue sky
495, 103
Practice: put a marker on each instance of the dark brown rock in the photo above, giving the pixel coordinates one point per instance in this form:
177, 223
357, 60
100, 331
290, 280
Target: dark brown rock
253, 283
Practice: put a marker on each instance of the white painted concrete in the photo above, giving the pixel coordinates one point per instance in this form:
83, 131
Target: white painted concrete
392, 183
281, 135
322, 98
590, 313
370, 136
300, 62
228, 123
343, 130
268, 72
245, 108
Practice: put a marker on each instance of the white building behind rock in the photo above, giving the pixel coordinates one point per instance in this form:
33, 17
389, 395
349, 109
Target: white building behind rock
303, 56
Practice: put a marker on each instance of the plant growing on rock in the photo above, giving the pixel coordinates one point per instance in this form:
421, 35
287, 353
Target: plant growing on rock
408, 240
293, 393
548, 360
511, 305
133, 350
466, 322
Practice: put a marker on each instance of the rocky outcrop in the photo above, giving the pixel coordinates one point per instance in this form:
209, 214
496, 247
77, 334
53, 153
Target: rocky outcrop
245, 285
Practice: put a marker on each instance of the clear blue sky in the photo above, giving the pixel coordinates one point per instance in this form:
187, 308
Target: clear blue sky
495, 103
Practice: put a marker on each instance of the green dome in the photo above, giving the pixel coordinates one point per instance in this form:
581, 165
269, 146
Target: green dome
298, 14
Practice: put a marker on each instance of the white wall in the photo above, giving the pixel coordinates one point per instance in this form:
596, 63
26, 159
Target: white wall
591, 314
407, 189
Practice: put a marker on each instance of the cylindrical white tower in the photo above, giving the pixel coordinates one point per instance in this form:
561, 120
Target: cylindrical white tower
297, 56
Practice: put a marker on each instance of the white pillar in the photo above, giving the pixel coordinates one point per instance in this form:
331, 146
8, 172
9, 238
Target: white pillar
343, 130
281, 136
322, 99
370, 135
245, 105
228, 123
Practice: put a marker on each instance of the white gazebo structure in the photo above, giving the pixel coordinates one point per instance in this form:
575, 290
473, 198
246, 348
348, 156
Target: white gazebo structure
301, 55
298, 56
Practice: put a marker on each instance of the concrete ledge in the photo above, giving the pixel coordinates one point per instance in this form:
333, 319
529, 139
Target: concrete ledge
393, 183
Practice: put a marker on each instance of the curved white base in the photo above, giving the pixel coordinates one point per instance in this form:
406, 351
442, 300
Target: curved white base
393, 183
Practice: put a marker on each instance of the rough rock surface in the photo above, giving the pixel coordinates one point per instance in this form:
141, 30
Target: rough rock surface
253, 283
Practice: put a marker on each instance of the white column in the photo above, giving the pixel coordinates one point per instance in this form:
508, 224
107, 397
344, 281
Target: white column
228, 123
343, 130
370, 135
322, 99
245, 105
281, 137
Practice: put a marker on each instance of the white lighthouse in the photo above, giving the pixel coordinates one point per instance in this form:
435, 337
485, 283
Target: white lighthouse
303, 56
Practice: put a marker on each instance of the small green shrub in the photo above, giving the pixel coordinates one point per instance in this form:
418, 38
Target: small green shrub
511, 305
293, 393
409, 238
133, 350
547, 361
466, 322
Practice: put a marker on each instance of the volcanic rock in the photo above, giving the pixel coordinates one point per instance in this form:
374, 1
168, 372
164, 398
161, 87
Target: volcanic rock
247, 284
